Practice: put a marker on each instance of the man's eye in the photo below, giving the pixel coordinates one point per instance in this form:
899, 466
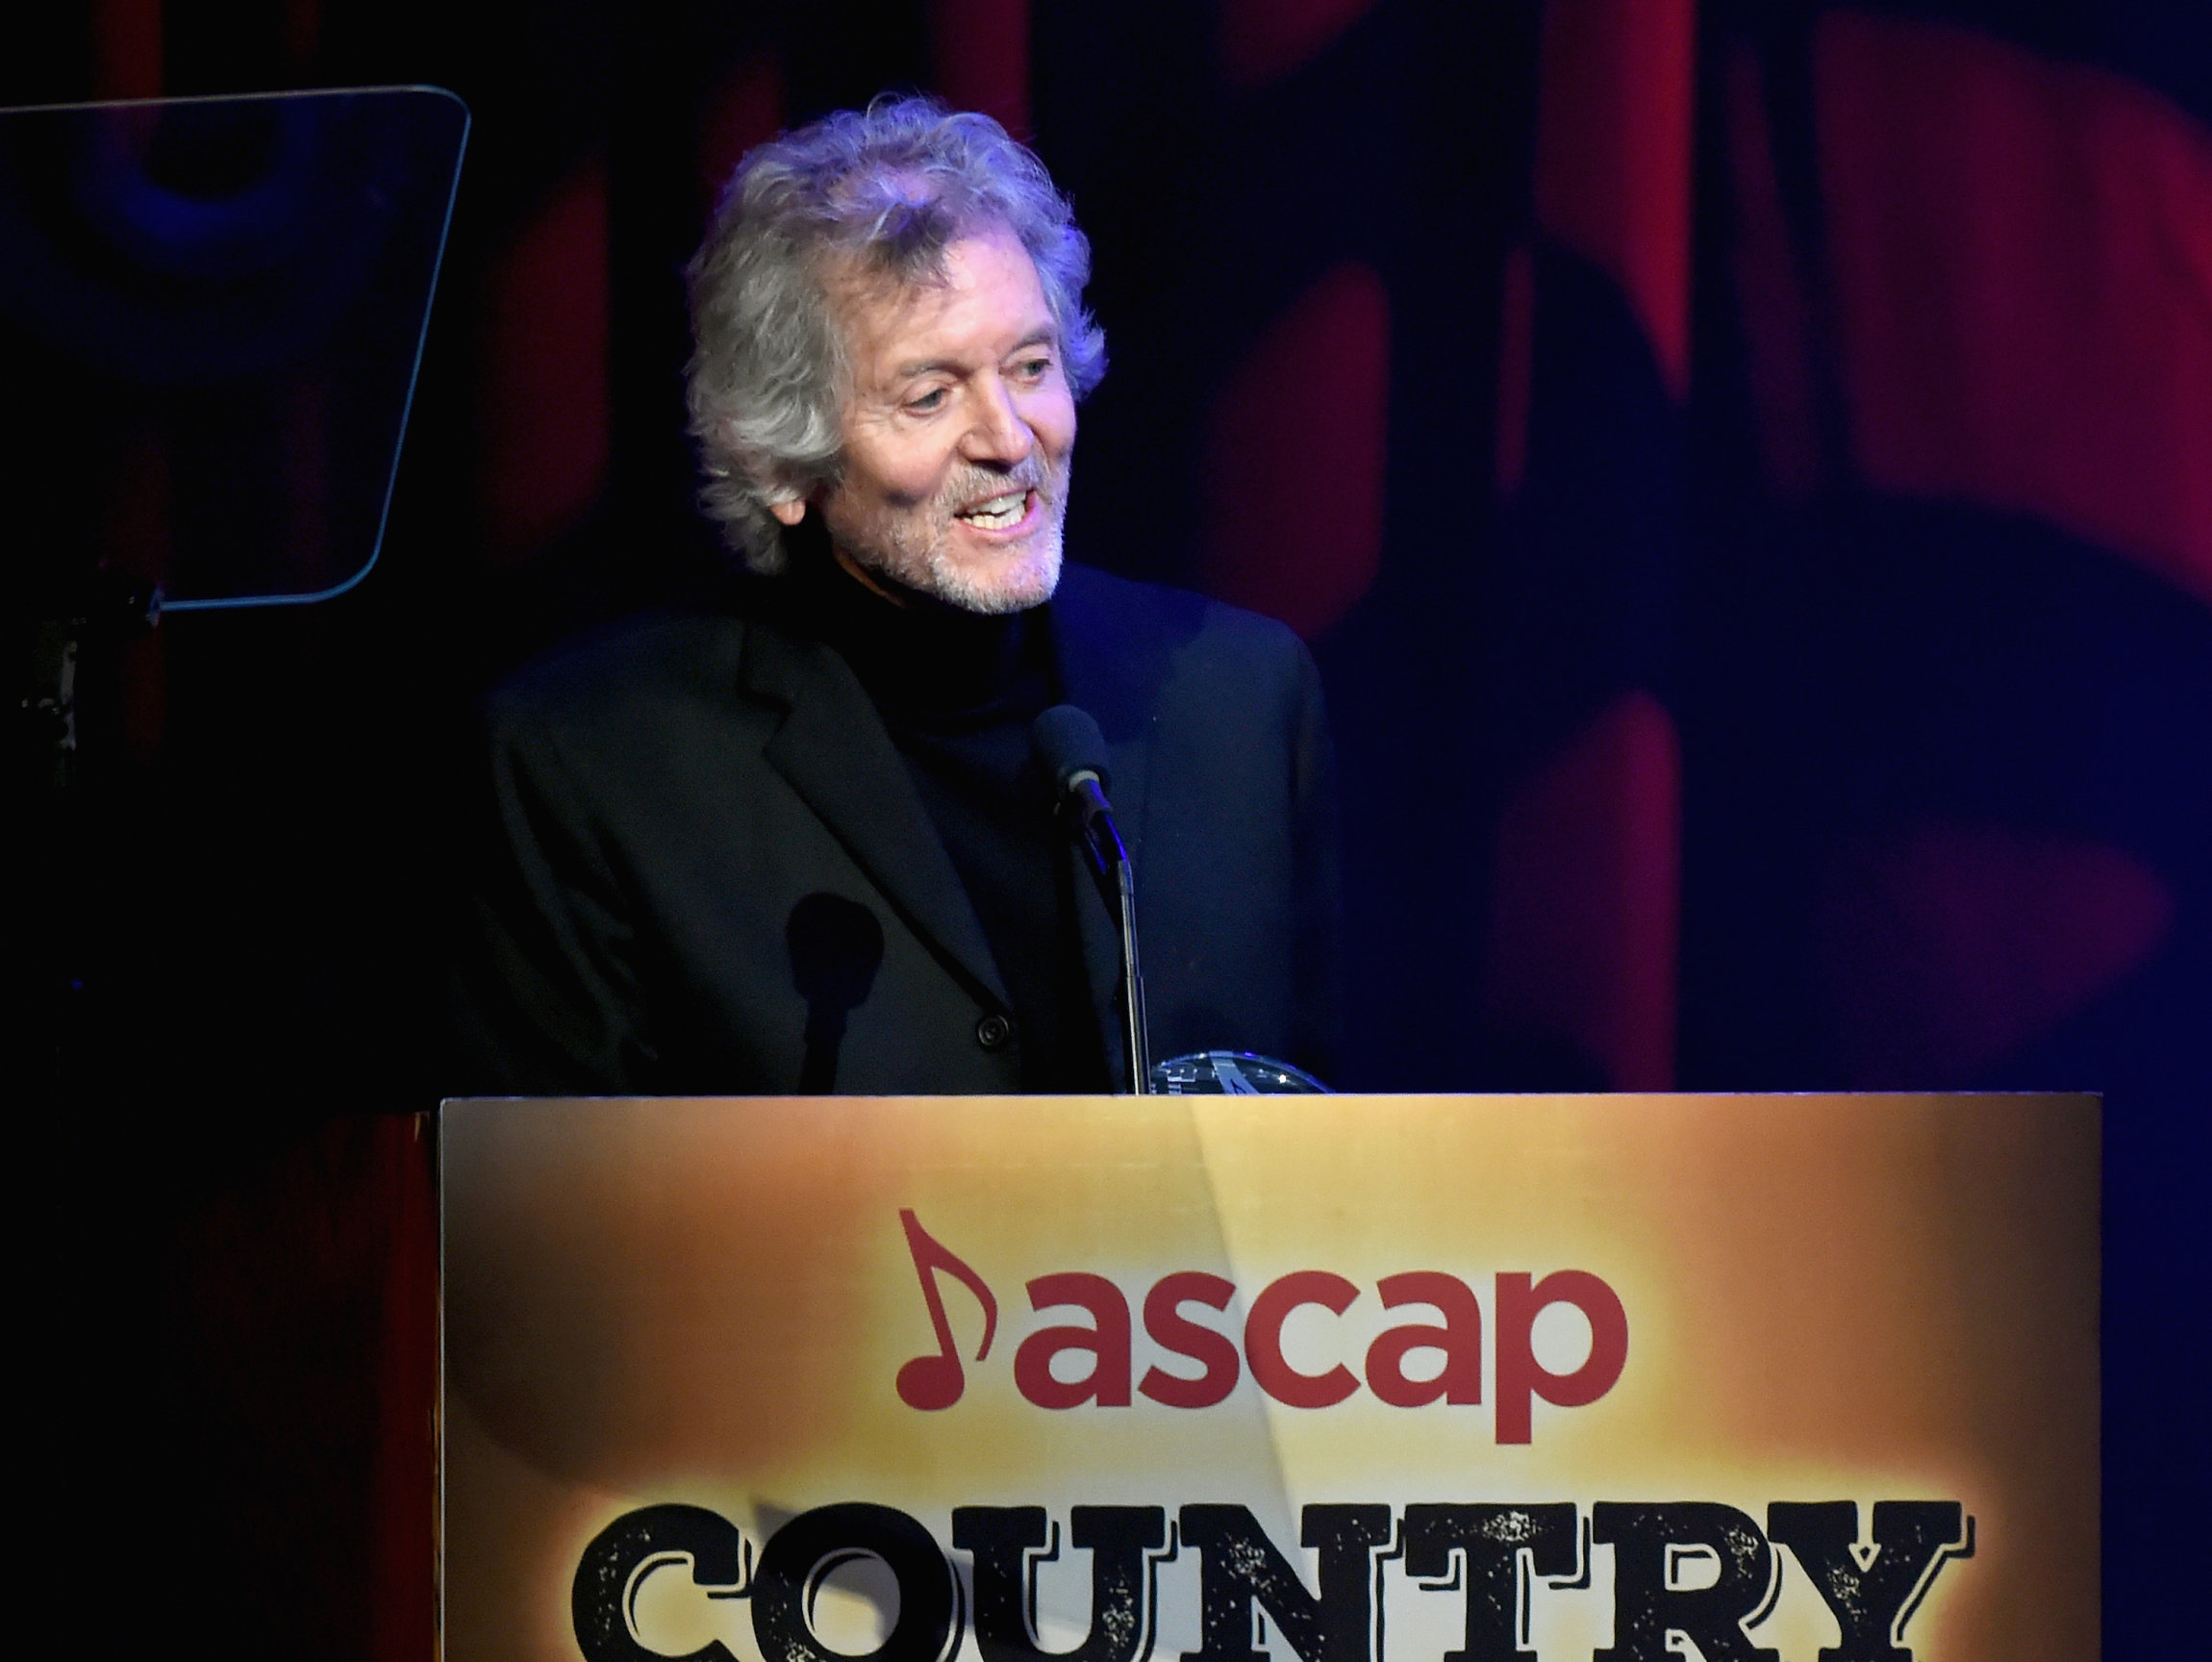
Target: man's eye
924, 403
1035, 368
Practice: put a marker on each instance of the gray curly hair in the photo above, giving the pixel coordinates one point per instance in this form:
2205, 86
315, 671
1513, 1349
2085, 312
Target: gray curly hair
887, 189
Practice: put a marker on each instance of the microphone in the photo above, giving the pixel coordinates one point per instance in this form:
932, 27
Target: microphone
1068, 749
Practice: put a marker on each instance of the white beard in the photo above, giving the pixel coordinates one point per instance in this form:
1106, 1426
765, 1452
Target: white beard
919, 556
1027, 579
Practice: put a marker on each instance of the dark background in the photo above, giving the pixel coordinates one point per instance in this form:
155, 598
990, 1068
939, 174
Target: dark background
1746, 473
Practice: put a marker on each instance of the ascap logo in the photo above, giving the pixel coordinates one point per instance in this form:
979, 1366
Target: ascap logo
1480, 1578
1195, 1364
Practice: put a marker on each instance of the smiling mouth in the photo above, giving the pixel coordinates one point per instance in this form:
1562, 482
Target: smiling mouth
996, 512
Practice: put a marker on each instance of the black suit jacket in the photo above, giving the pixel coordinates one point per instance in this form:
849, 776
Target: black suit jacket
658, 805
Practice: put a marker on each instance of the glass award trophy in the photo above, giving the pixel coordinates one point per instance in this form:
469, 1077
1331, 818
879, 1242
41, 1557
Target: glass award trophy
1231, 1073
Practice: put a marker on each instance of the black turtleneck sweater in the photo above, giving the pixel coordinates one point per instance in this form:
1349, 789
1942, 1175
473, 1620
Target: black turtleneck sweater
958, 691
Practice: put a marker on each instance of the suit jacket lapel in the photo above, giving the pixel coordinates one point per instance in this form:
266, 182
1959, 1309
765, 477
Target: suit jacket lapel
1101, 673
833, 749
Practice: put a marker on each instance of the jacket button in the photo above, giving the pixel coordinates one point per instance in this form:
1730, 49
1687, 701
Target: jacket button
994, 1031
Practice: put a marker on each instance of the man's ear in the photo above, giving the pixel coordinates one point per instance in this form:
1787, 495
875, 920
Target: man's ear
791, 510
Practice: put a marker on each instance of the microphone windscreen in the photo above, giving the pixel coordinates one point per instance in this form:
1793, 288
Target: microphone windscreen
1065, 740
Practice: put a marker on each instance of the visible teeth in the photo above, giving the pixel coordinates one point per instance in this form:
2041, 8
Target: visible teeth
999, 512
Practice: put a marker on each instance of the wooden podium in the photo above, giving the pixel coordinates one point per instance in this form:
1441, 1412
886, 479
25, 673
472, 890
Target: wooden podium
1334, 1379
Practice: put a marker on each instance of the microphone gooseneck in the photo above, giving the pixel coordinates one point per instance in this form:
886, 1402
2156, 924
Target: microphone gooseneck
1068, 750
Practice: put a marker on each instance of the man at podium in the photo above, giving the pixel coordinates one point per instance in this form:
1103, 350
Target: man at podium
801, 843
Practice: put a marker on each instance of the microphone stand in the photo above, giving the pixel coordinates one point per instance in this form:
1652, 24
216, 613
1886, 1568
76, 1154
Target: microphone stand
1136, 1049
1109, 856
1067, 748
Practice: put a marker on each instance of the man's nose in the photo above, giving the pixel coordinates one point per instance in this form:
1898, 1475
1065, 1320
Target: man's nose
998, 433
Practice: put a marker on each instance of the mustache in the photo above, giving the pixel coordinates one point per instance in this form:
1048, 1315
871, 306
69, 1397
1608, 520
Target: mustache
972, 484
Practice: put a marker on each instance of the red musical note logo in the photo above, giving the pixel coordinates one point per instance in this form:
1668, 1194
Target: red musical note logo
936, 1382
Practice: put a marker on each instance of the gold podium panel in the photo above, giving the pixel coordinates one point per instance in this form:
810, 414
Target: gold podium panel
1309, 1379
